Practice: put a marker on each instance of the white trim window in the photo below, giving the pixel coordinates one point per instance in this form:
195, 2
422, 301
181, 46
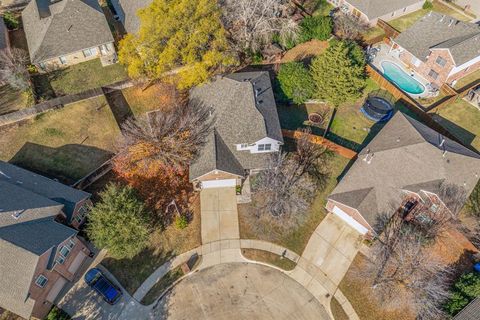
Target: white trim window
433, 74
64, 252
264, 147
243, 146
62, 59
82, 213
89, 52
441, 61
41, 281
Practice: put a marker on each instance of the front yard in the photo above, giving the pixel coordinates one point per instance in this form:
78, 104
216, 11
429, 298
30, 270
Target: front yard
461, 119
403, 23
77, 78
66, 143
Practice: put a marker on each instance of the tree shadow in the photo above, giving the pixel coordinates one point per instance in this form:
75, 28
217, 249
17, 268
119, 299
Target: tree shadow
42, 86
119, 105
66, 164
465, 136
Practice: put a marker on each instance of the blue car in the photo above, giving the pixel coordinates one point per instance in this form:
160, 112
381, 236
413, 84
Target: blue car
95, 279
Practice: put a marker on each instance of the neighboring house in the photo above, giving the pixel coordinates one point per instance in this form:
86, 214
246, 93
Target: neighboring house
440, 48
126, 11
246, 130
66, 32
369, 11
38, 254
405, 158
470, 312
4, 40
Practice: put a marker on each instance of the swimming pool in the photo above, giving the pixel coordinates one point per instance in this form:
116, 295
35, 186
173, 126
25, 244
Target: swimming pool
404, 81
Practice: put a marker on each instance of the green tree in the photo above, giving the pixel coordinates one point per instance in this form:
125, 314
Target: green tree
427, 5
57, 314
295, 82
315, 27
339, 73
10, 20
119, 222
182, 36
464, 290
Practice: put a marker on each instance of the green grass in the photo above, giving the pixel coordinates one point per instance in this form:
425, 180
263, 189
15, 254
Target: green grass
13, 100
66, 143
471, 78
373, 33
462, 120
403, 23
337, 310
323, 8
166, 281
296, 239
269, 258
78, 78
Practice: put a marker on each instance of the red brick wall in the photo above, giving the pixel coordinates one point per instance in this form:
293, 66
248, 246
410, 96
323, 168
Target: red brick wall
74, 223
464, 72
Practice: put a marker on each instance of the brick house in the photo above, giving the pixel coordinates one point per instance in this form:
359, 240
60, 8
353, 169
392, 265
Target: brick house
370, 11
38, 254
440, 48
61, 33
406, 160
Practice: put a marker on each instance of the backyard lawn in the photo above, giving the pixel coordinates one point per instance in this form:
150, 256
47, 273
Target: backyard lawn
403, 23
66, 143
296, 239
373, 33
163, 245
461, 119
472, 77
13, 100
154, 97
78, 78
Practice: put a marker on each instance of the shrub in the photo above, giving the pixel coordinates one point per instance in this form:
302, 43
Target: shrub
317, 27
464, 290
427, 5
10, 20
57, 314
294, 82
181, 222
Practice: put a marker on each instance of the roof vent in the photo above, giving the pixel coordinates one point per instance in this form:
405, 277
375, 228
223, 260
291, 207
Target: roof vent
442, 142
69, 28
443, 17
3, 174
17, 214
451, 22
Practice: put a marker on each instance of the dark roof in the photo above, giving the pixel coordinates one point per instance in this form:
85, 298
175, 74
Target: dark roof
470, 312
63, 27
128, 12
437, 31
245, 112
3, 34
377, 8
405, 155
42, 186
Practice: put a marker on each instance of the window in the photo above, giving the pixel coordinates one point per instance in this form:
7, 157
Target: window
433, 74
242, 146
441, 62
264, 147
65, 251
41, 281
82, 213
415, 61
63, 60
60, 260
71, 243
89, 52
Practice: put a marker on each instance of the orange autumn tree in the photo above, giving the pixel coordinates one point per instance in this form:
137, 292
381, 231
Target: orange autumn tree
155, 151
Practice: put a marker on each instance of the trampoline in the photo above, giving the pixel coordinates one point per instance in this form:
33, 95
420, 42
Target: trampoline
377, 109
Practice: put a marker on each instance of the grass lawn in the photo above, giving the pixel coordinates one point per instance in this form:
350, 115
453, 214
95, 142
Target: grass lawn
13, 100
360, 296
305, 51
154, 97
165, 282
293, 117
461, 119
296, 239
471, 78
373, 33
66, 143
269, 258
323, 8
78, 78
337, 310
403, 23
163, 245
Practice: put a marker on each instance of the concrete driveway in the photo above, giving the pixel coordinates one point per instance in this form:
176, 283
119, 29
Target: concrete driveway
474, 5
219, 214
239, 291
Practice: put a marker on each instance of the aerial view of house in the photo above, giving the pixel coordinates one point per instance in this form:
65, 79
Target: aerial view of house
66, 32
239, 159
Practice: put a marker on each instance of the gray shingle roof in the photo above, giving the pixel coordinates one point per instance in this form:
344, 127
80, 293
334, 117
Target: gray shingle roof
437, 31
470, 312
406, 155
245, 112
64, 27
127, 11
377, 8
42, 186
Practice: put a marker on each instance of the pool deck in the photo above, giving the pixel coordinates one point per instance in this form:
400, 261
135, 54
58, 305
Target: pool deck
393, 56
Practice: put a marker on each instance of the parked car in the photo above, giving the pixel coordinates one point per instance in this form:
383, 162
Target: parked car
109, 292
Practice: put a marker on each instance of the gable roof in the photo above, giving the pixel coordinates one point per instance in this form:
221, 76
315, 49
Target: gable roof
41, 186
405, 155
470, 312
245, 112
127, 10
377, 8
437, 31
63, 27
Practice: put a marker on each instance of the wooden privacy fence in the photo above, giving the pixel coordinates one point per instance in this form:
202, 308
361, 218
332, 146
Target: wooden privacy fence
344, 152
57, 103
390, 31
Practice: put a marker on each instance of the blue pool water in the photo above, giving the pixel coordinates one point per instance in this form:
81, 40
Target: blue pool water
403, 80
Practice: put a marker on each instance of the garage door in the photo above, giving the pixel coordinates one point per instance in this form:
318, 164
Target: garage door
77, 262
349, 220
56, 289
219, 183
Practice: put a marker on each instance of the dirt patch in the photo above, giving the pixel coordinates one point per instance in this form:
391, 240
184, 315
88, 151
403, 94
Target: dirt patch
305, 51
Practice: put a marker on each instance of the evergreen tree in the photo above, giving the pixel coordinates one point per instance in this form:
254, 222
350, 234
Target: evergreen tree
295, 82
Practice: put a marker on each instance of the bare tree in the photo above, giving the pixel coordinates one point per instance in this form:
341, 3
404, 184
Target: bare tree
170, 138
252, 23
347, 27
287, 187
13, 68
